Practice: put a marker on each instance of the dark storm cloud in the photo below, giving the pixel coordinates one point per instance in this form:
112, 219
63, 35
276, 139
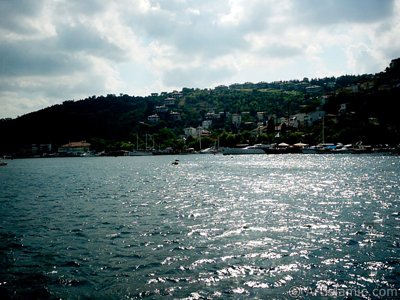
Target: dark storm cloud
14, 15
55, 55
61, 49
81, 38
31, 58
320, 12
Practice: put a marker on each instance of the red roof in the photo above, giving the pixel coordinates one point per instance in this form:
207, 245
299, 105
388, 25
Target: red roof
81, 144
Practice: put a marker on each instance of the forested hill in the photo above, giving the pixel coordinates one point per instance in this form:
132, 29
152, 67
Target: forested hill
370, 114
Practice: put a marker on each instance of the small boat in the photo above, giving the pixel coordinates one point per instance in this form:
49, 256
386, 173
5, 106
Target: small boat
256, 149
342, 149
210, 150
176, 162
2, 163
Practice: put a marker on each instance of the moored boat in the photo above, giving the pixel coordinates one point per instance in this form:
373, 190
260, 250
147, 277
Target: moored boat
255, 149
140, 153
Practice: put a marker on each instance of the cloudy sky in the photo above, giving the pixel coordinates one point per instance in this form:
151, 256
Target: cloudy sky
56, 50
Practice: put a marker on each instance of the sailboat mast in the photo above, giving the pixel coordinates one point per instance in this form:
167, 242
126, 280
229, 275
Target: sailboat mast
200, 138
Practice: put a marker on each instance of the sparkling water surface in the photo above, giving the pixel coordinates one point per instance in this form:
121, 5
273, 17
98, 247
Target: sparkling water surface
213, 226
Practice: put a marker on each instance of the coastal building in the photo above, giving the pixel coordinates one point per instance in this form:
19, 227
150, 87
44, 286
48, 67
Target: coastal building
74, 148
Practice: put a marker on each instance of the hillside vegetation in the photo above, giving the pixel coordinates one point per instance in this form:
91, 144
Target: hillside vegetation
120, 121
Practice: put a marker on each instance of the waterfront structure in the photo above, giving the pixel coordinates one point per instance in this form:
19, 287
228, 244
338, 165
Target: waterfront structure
74, 148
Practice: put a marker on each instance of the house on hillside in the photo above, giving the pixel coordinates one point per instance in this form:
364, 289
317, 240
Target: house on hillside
169, 101
153, 118
176, 94
175, 116
190, 131
314, 89
206, 124
314, 116
161, 109
298, 120
261, 116
236, 119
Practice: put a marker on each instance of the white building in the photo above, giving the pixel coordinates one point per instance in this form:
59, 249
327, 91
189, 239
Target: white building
236, 119
206, 124
190, 131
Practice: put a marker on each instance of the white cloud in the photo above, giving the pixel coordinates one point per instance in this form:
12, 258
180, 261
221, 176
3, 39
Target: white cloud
51, 51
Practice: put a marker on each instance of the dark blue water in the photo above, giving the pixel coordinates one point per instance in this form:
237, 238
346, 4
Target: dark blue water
262, 226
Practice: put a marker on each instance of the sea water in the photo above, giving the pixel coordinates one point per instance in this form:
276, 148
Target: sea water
213, 226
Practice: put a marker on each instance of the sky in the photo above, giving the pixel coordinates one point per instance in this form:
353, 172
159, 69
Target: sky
57, 50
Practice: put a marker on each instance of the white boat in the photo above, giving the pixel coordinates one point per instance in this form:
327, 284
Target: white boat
342, 149
210, 150
256, 149
2, 163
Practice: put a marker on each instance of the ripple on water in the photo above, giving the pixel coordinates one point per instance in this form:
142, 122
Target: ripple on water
211, 227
